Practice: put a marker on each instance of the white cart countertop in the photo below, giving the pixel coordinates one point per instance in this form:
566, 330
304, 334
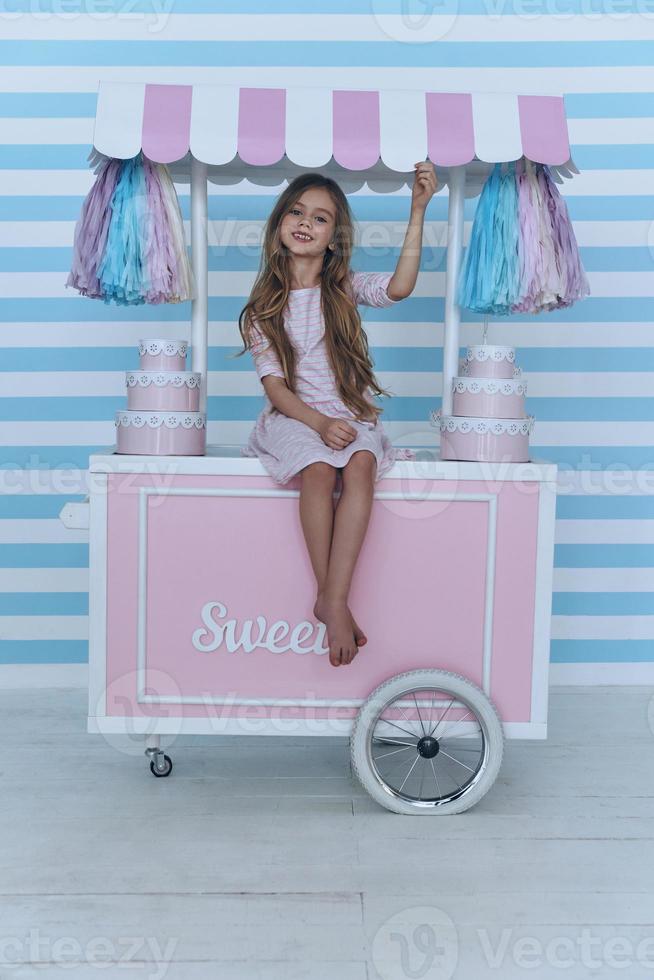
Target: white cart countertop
227, 460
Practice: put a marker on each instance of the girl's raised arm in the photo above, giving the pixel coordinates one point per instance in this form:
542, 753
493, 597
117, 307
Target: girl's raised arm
425, 185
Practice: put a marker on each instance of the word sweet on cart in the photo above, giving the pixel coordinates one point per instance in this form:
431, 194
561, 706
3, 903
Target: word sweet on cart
216, 635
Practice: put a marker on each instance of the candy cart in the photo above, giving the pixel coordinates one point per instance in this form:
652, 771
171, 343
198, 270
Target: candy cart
201, 590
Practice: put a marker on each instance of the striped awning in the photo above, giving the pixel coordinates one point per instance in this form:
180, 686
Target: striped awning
380, 133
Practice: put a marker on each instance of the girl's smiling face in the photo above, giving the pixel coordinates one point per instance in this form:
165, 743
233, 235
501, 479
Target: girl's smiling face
308, 226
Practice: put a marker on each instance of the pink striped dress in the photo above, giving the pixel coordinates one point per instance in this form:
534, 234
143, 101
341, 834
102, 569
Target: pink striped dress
285, 445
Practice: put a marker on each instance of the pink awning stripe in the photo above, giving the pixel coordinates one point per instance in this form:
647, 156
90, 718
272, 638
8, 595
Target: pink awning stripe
262, 125
543, 128
166, 122
355, 129
450, 135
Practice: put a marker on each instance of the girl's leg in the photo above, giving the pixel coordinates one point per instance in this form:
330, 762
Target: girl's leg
317, 515
350, 525
317, 520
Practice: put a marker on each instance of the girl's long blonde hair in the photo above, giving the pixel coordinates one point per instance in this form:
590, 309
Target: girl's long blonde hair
345, 340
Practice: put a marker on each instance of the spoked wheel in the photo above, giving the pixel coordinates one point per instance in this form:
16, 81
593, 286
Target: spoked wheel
427, 742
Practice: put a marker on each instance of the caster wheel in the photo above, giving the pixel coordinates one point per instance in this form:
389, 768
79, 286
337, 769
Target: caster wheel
427, 742
166, 771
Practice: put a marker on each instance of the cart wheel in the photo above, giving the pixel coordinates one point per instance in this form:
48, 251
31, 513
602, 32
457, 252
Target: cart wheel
427, 742
167, 767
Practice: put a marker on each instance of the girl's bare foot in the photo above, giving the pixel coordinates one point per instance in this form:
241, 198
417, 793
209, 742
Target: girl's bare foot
335, 614
359, 635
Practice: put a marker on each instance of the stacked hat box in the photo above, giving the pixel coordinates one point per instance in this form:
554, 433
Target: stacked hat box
488, 421
162, 417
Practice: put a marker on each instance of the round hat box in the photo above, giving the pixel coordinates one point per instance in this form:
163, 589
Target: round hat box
163, 391
162, 355
161, 433
489, 361
484, 439
502, 398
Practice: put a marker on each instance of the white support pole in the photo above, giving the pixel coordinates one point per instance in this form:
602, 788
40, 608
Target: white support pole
199, 252
452, 312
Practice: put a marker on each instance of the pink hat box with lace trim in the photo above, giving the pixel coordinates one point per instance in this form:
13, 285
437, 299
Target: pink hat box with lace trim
484, 439
502, 398
162, 417
489, 361
161, 433
163, 391
488, 421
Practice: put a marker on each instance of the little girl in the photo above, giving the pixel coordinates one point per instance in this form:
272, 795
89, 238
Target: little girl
304, 331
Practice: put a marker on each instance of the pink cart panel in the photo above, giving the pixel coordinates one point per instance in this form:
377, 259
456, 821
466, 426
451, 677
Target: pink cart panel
206, 592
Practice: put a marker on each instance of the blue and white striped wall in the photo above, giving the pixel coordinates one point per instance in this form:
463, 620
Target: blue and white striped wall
590, 369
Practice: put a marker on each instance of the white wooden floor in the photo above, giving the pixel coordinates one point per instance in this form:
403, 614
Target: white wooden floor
262, 859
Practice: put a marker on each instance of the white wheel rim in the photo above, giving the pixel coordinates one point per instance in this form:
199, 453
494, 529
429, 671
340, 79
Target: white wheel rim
427, 747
